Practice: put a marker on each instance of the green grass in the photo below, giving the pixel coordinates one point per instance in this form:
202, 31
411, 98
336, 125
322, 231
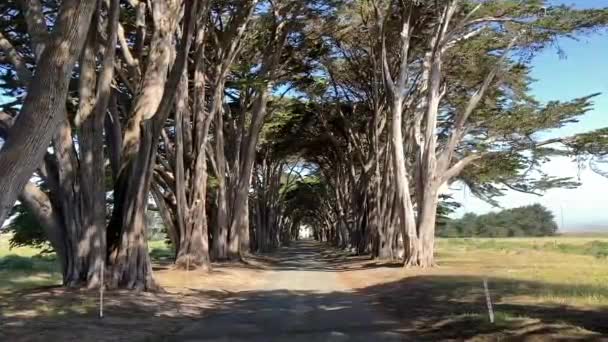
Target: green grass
24, 267
160, 251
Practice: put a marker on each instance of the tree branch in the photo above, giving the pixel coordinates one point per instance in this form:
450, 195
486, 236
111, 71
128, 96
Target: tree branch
461, 164
461, 118
132, 62
39, 204
23, 73
36, 24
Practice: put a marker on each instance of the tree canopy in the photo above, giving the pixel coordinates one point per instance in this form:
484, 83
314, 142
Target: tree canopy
240, 120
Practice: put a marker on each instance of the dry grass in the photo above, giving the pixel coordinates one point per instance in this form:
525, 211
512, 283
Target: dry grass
570, 275
539, 292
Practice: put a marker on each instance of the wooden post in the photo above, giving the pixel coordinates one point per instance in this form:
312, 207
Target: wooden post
101, 288
187, 270
488, 300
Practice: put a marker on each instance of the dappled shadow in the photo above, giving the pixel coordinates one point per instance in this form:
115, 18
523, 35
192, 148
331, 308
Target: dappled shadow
281, 315
308, 255
454, 307
426, 307
22, 272
62, 314
420, 308
417, 308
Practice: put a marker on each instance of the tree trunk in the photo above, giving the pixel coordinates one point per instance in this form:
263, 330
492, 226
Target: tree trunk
44, 106
73, 213
192, 249
385, 248
131, 267
426, 229
240, 213
69, 196
92, 168
194, 252
222, 195
405, 208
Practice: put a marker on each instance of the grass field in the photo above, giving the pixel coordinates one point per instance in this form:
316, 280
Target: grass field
563, 270
542, 289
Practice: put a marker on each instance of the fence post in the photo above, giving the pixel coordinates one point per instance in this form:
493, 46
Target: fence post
488, 300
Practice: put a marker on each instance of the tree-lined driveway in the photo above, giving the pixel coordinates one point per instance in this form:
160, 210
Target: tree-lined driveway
303, 300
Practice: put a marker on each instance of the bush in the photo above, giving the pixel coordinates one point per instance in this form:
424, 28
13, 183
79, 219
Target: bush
162, 254
25, 231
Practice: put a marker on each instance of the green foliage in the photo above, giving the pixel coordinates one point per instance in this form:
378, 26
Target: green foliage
594, 142
445, 208
162, 254
531, 220
304, 200
16, 263
25, 230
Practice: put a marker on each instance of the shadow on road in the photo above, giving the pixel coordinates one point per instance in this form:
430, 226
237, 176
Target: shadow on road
308, 255
423, 307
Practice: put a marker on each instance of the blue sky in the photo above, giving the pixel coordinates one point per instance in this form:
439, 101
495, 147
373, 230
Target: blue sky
583, 71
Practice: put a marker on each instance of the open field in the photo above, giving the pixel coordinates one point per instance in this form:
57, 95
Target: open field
542, 289
565, 270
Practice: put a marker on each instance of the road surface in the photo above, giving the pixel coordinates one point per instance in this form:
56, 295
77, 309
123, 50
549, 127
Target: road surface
303, 300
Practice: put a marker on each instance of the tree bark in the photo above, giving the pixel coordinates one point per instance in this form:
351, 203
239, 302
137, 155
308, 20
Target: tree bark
192, 249
31, 133
240, 212
131, 266
405, 208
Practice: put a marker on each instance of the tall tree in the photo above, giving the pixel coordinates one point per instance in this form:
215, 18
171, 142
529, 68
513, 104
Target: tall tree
71, 205
30, 134
129, 258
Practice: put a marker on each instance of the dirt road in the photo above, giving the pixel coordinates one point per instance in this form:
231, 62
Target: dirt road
303, 300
